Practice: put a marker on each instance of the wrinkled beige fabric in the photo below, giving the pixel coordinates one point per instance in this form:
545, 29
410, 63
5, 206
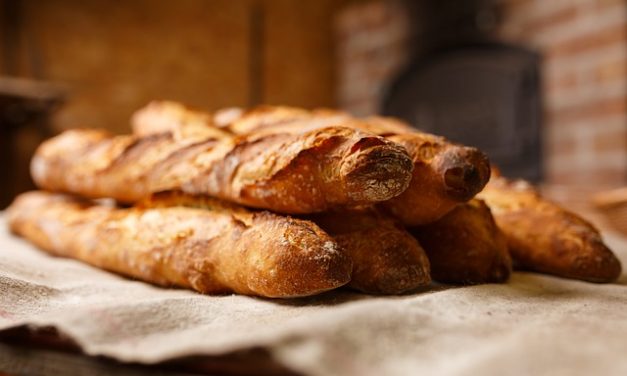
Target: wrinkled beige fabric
532, 325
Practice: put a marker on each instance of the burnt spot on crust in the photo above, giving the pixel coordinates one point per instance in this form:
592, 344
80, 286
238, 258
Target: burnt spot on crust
465, 172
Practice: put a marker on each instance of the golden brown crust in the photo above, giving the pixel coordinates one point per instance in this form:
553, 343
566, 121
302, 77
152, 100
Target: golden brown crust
386, 258
444, 175
211, 251
465, 246
544, 237
289, 173
388, 126
283, 119
172, 117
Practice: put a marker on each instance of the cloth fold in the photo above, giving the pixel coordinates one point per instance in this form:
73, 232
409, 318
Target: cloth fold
534, 324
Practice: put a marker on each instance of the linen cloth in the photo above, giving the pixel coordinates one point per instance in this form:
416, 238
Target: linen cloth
533, 324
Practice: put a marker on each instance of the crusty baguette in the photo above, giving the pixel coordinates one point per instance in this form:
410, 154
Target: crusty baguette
289, 173
386, 258
465, 246
406, 266
211, 251
183, 122
444, 175
275, 119
546, 238
266, 119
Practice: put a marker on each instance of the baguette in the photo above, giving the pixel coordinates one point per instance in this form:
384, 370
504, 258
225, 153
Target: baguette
210, 251
283, 119
266, 119
386, 258
444, 174
546, 238
289, 173
172, 117
465, 246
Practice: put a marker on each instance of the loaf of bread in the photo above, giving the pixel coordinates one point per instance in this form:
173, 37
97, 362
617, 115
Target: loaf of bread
295, 173
386, 258
444, 174
546, 238
172, 117
211, 251
282, 119
466, 246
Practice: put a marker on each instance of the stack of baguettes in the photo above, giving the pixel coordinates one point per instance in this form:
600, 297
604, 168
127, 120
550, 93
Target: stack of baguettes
284, 202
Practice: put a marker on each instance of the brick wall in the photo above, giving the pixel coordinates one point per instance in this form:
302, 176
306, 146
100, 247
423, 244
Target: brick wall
584, 72
584, 44
372, 45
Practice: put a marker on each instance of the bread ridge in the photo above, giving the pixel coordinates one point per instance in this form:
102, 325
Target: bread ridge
210, 251
288, 173
386, 258
544, 237
444, 174
466, 246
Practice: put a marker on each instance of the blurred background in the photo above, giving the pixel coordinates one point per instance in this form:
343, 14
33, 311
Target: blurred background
541, 86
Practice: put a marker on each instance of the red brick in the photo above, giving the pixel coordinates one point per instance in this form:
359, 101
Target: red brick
607, 107
611, 71
601, 4
363, 16
375, 14
614, 140
560, 146
561, 16
561, 83
598, 177
587, 42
